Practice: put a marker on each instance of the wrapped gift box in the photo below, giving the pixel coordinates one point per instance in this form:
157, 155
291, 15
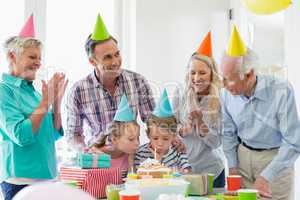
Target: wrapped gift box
88, 160
94, 164
93, 181
198, 184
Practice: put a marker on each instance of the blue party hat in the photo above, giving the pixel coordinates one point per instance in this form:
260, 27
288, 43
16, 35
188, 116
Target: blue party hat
163, 107
124, 112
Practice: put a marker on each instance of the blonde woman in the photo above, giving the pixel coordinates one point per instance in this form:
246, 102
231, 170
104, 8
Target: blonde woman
198, 110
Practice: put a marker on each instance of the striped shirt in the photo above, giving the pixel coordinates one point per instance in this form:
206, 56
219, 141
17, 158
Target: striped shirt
90, 105
171, 159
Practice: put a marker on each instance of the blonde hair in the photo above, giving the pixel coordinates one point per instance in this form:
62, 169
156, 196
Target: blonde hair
168, 123
116, 129
190, 99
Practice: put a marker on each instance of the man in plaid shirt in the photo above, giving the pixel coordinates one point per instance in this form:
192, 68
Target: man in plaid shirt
93, 101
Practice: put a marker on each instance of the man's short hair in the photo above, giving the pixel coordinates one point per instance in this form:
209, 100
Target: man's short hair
245, 63
90, 44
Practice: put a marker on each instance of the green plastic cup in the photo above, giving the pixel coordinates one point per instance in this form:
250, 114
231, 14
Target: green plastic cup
210, 178
112, 191
247, 194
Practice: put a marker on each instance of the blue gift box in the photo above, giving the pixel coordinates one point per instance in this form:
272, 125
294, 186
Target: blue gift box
88, 160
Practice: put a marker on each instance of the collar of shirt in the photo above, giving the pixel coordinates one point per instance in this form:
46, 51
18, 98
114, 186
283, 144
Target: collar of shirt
16, 81
260, 91
98, 84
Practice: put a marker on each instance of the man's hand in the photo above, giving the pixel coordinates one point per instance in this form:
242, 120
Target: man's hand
76, 141
178, 145
263, 187
233, 171
94, 150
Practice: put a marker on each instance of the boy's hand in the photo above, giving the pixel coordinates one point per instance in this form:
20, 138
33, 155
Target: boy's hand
234, 171
179, 145
186, 170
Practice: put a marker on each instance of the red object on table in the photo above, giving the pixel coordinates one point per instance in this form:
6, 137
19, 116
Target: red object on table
234, 182
130, 195
135, 197
93, 181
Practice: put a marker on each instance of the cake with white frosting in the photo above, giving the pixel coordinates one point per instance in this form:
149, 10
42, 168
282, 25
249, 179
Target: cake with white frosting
154, 168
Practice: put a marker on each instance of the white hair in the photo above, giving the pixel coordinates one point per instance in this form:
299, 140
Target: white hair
17, 45
249, 62
244, 64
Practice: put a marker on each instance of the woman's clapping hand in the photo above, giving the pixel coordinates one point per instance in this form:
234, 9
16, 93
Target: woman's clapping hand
54, 90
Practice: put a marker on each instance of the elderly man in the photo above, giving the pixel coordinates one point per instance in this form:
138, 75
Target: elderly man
95, 99
261, 124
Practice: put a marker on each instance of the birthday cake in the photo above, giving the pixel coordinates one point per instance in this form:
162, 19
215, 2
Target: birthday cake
153, 168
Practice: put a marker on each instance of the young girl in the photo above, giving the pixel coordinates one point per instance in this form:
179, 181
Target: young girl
121, 139
161, 130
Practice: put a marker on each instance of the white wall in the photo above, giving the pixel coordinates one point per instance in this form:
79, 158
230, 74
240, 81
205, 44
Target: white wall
125, 31
7, 27
169, 31
263, 33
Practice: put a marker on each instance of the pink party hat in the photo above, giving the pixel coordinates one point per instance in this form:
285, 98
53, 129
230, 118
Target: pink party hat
28, 28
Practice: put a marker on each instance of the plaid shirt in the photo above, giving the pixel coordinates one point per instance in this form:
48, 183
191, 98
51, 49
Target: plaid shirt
90, 104
170, 159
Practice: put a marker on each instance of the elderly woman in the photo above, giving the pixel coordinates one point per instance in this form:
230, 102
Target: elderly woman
198, 111
28, 127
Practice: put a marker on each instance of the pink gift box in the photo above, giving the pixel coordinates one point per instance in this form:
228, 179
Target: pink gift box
93, 181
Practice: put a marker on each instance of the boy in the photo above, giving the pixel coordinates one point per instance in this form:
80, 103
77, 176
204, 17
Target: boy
161, 130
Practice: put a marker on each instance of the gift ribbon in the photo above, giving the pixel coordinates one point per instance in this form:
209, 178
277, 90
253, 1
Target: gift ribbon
95, 161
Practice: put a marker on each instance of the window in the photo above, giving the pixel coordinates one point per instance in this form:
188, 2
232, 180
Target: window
11, 20
267, 37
